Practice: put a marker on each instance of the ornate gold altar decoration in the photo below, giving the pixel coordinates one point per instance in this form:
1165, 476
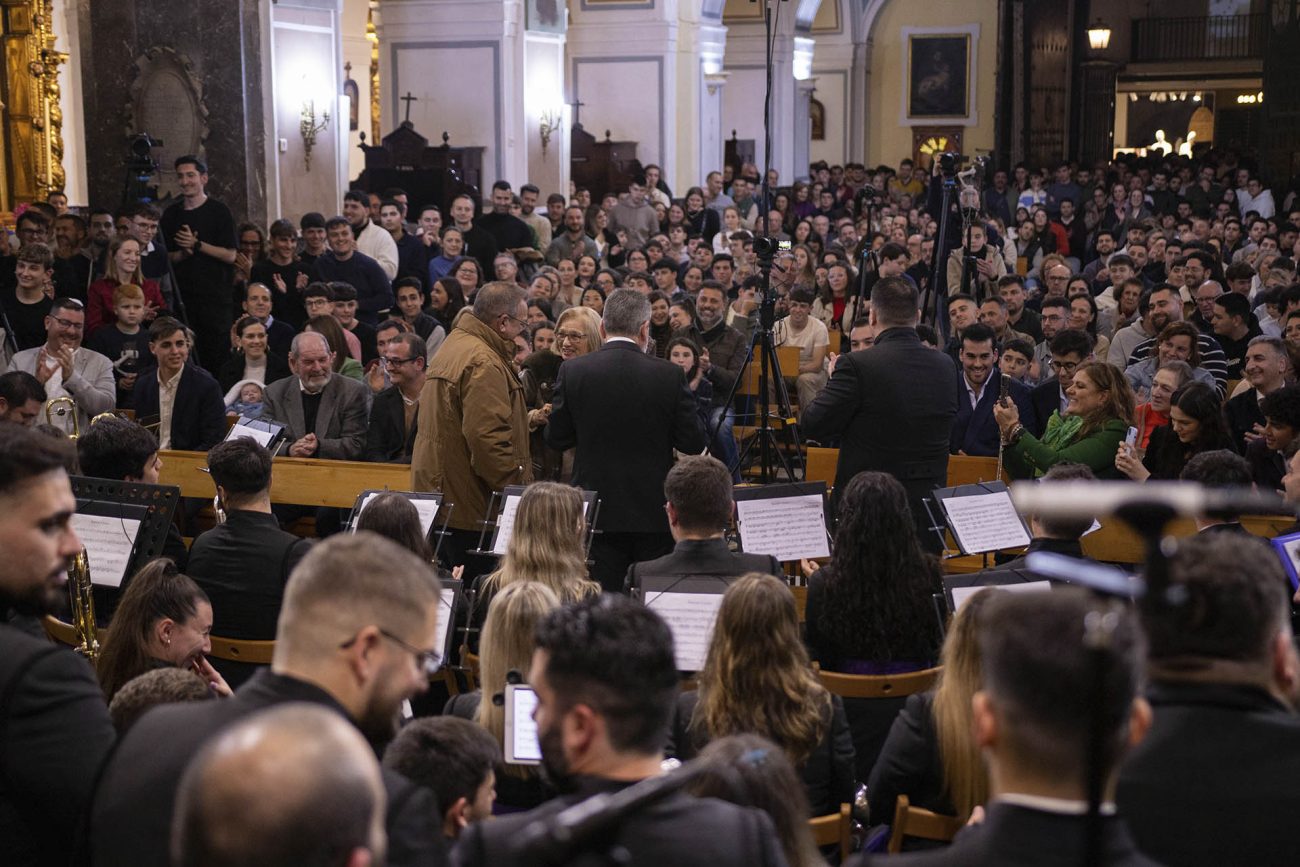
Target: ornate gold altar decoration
372, 36
33, 117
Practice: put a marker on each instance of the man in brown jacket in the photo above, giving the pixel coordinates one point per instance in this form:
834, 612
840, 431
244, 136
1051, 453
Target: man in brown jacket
473, 422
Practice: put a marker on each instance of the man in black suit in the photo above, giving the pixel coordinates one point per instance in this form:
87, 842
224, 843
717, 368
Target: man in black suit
1265, 368
699, 508
606, 684
356, 637
181, 400
395, 410
1224, 748
56, 726
1069, 349
626, 412
974, 431
244, 563
328, 794
1034, 719
892, 407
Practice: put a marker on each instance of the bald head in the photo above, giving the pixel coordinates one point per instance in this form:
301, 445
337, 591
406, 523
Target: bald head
328, 808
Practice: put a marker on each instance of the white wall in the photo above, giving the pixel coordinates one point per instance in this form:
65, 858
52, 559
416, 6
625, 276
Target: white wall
67, 38
356, 50
544, 93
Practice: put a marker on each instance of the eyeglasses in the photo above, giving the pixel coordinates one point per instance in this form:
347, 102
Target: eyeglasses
395, 362
561, 336
71, 326
429, 661
522, 322
1066, 367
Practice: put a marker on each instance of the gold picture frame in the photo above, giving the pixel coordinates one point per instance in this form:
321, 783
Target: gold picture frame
938, 76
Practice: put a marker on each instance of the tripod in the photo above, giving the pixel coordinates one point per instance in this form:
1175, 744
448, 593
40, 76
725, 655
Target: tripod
933, 303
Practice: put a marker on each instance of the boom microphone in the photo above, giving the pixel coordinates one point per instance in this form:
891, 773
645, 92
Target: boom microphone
1085, 499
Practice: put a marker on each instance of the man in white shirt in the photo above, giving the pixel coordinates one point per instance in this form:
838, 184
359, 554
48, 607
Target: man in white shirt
811, 336
372, 239
66, 369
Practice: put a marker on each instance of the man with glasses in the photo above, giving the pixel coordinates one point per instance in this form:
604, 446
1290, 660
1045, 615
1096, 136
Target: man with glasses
394, 413
472, 435
67, 369
356, 636
1069, 350
1055, 312
324, 414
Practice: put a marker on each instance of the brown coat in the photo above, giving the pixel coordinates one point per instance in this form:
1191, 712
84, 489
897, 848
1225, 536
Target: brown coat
473, 423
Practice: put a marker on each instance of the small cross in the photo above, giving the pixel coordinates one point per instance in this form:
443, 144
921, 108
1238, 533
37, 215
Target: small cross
408, 99
576, 108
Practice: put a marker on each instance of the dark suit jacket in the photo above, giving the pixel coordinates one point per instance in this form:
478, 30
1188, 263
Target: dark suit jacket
233, 370
279, 339
340, 421
54, 733
1243, 414
974, 431
1014, 836
702, 557
132, 810
909, 764
1044, 400
893, 408
198, 413
625, 412
827, 773
680, 831
1015, 571
1217, 758
388, 441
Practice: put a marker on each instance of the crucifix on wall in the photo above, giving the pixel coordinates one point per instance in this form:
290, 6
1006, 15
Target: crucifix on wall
408, 99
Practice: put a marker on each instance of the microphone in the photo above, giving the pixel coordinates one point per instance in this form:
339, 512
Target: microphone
1084, 499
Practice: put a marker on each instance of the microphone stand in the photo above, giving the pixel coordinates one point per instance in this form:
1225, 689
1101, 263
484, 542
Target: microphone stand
936, 294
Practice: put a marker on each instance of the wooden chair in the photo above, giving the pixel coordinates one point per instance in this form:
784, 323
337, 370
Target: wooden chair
242, 650
821, 465
912, 821
835, 829
800, 593
66, 633
878, 685
469, 662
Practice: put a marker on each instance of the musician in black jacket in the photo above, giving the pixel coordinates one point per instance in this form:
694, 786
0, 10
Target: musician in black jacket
893, 406
1224, 747
394, 412
356, 639
55, 725
625, 412
700, 506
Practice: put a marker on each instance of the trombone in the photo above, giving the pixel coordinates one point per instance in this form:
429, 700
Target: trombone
66, 406
82, 602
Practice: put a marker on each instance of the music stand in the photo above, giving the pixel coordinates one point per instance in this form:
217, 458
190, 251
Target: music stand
785, 533
1006, 529
690, 624
427, 503
498, 529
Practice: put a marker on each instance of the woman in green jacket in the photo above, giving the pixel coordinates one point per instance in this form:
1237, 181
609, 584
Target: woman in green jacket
1098, 415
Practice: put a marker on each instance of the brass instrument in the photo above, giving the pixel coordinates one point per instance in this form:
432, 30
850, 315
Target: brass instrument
68, 405
83, 606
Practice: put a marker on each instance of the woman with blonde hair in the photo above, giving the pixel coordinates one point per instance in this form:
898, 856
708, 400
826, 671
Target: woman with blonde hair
757, 679
546, 546
577, 332
507, 646
930, 755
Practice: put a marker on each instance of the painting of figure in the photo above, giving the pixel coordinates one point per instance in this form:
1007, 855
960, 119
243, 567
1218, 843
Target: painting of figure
938, 75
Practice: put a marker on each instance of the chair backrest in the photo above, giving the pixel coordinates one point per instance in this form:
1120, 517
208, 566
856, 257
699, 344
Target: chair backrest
66, 633
912, 821
878, 685
835, 829
242, 650
821, 464
788, 358
470, 663
800, 593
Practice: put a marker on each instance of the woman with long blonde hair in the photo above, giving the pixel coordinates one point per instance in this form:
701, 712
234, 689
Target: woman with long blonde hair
757, 679
507, 646
930, 755
546, 546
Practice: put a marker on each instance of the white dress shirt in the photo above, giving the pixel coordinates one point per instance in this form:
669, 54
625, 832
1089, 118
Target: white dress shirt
166, 400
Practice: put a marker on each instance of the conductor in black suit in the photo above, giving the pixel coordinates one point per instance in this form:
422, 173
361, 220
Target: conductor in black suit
56, 729
699, 508
1224, 746
892, 407
625, 412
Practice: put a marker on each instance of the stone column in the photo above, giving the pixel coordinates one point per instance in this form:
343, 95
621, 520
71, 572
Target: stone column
188, 73
743, 102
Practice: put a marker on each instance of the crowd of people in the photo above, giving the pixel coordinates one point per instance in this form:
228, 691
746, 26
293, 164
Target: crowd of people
1136, 320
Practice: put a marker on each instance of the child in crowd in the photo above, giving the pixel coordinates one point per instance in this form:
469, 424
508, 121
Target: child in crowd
245, 398
1017, 355
126, 344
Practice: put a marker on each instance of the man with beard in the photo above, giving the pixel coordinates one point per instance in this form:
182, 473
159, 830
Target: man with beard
509, 232
56, 725
606, 683
1156, 309
371, 238
352, 639
325, 414
974, 432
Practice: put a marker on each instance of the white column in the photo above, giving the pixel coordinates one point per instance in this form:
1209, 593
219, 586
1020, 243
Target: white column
802, 133
699, 111
743, 100
544, 106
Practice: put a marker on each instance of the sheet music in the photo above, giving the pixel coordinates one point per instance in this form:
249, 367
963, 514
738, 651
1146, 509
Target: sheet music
242, 431
962, 595
524, 747
445, 605
427, 509
985, 522
109, 542
690, 616
788, 528
505, 523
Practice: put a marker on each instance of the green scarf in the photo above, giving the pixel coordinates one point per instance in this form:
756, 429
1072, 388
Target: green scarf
1061, 430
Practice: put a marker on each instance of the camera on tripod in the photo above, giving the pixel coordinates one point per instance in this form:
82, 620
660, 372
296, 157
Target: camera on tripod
949, 161
141, 166
766, 247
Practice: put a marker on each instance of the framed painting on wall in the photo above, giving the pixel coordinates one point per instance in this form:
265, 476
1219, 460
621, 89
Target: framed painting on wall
546, 16
938, 75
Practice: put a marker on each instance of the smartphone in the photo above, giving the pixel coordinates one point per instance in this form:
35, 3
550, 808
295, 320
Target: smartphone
1131, 437
521, 744
1005, 388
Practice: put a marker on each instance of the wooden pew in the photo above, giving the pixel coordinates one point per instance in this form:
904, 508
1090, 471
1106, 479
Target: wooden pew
301, 481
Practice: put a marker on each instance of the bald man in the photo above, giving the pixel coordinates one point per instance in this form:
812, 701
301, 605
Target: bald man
329, 799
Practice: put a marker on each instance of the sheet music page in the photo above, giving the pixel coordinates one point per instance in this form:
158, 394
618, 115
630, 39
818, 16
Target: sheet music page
690, 616
524, 746
243, 431
426, 508
109, 542
505, 523
445, 603
985, 522
788, 528
962, 595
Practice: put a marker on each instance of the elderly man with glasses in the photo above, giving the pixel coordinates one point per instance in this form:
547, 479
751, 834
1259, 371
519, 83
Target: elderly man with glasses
67, 369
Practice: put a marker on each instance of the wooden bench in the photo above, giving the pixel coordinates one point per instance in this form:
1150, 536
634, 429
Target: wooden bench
298, 481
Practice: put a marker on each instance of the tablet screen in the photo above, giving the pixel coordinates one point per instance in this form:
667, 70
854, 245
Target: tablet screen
522, 747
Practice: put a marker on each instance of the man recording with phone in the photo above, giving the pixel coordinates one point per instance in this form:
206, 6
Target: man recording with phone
974, 431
